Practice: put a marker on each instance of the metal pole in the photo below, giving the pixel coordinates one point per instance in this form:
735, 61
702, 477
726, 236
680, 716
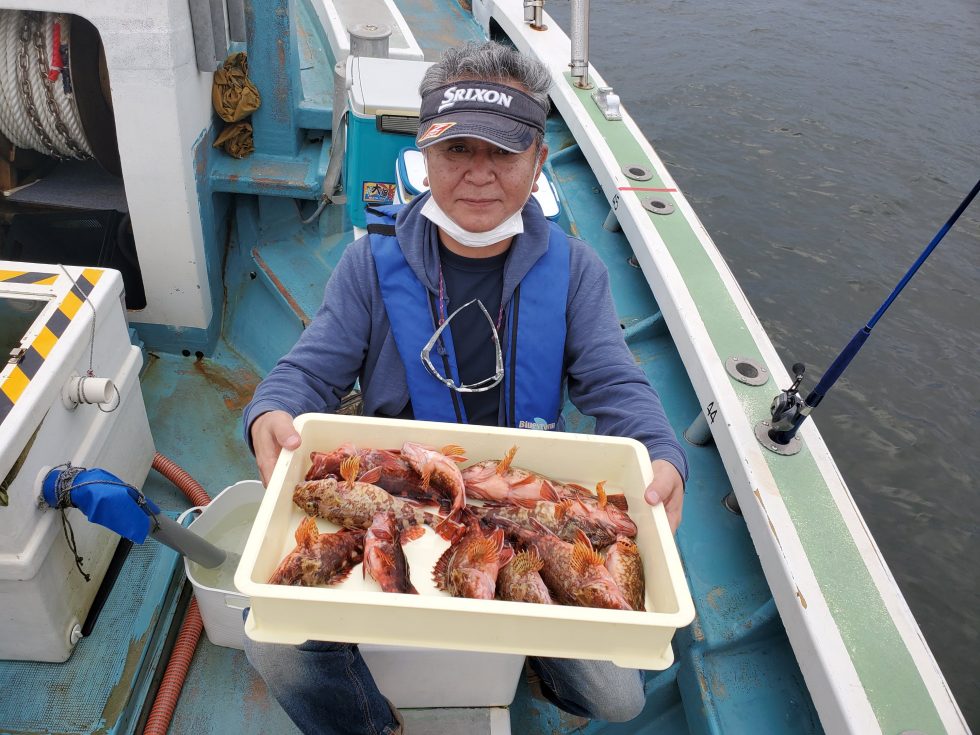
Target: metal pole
369, 39
580, 44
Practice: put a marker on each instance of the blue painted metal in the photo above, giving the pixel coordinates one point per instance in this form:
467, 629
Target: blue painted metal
273, 53
103, 686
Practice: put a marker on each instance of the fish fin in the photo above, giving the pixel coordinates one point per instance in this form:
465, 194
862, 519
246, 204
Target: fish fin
487, 549
307, 531
524, 480
575, 486
581, 537
454, 451
563, 508
448, 528
618, 500
384, 534
505, 555
426, 475
600, 491
504, 464
548, 492
441, 570
410, 534
584, 557
348, 469
371, 476
528, 503
526, 562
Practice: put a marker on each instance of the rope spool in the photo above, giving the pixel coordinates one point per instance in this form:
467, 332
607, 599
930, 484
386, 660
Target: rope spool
38, 108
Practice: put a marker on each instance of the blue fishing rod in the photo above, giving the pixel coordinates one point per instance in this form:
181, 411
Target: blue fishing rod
788, 409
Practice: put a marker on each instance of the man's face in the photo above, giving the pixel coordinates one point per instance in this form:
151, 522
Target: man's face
478, 184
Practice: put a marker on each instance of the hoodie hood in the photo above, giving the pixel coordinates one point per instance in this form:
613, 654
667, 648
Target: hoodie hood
419, 242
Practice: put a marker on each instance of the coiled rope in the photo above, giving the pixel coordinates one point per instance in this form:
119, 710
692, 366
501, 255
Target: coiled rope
37, 107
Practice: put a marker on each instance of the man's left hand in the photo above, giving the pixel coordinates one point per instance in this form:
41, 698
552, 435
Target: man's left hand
667, 488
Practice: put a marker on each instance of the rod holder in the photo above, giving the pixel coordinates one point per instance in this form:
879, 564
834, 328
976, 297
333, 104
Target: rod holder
580, 44
369, 39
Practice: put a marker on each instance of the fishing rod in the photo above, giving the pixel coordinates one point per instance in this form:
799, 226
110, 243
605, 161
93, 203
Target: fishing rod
789, 410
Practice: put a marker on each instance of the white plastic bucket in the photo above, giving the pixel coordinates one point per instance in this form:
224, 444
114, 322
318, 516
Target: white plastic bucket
221, 609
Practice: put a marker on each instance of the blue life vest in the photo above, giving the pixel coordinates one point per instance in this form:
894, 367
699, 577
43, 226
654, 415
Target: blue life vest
533, 342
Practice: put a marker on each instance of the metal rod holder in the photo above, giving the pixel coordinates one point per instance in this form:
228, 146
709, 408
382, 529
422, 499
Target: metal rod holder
580, 44
369, 39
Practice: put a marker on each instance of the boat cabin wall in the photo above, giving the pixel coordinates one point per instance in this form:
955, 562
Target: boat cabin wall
142, 69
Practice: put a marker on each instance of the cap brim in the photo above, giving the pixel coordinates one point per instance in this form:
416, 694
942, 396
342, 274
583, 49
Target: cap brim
499, 130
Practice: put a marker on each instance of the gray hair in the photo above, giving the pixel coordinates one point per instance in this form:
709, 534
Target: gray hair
492, 62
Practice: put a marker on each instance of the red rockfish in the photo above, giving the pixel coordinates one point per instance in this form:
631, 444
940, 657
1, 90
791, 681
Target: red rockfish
319, 558
384, 558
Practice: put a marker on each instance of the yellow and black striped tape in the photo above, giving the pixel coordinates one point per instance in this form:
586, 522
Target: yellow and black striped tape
34, 356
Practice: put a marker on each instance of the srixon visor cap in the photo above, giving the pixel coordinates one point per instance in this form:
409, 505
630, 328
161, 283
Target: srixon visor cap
499, 114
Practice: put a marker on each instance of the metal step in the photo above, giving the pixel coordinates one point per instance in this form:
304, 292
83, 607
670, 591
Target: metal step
453, 721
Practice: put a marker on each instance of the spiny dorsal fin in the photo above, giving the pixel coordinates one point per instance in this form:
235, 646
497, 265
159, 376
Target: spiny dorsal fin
307, 531
371, 476
600, 491
526, 562
348, 469
504, 464
453, 451
585, 557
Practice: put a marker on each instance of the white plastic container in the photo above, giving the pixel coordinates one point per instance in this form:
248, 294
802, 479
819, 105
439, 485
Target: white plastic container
491, 678
356, 610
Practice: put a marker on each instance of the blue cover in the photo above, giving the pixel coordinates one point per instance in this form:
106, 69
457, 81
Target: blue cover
105, 500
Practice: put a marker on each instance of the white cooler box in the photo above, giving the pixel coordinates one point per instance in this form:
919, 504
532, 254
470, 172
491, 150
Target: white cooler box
56, 327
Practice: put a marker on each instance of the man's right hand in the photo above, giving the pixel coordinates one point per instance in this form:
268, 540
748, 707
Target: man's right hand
271, 433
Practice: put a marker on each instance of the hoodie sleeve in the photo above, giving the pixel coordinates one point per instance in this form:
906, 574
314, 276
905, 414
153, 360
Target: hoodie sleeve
604, 380
323, 365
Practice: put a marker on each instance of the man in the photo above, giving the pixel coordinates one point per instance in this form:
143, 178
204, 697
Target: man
466, 305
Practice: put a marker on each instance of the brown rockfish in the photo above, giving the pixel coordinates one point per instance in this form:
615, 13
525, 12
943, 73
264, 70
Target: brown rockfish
563, 518
354, 503
384, 558
520, 580
319, 558
469, 567
574, 573
397, 475
624, 563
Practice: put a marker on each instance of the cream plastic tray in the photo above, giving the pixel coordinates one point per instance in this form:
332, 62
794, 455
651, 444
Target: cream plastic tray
356, 611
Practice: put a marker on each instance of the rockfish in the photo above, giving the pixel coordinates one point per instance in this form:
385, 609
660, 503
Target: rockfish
384, 558
520, 580
397, 475
574, 573
498, 481
624, 563
319, 558
468, 568
353, 503
439, 469
563, 518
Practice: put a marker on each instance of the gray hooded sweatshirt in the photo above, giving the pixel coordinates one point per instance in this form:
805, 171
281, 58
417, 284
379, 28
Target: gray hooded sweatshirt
350, 340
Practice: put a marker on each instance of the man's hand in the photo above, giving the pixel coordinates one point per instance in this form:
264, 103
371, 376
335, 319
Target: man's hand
667, 487
271, 433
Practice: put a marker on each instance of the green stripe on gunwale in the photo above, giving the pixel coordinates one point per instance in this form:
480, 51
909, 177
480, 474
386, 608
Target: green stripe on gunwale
890, 678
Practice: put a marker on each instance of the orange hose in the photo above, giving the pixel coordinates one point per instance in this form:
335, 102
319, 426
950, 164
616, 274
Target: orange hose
173, 679
165, 702
180, 477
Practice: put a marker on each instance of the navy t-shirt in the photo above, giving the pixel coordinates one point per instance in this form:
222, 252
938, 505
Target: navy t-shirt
466, 279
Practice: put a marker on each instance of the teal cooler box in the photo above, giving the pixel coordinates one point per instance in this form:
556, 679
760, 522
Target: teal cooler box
383, 118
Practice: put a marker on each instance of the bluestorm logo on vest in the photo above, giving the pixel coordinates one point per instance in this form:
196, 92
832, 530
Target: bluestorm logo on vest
491, 96
539, 424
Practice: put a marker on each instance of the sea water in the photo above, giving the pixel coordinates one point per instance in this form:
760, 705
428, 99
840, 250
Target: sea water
229, 534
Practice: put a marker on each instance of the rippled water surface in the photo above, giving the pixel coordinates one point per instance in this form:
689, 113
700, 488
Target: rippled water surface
823, 145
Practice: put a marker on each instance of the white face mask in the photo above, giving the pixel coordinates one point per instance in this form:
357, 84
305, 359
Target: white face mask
513, 225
